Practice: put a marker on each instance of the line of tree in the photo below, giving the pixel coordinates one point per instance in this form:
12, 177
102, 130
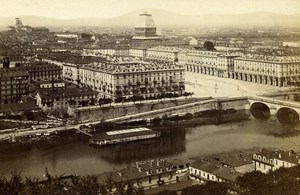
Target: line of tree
281, 181
63, 185
134, 98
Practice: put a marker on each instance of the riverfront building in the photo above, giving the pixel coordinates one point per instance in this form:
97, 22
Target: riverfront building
58, 99
269, 160
203, 171
148, 174
132, 78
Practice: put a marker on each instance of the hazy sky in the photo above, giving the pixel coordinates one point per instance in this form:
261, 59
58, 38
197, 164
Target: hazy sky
111, 8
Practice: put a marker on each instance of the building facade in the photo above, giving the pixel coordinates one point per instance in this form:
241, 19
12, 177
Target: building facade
203, 171
163, 54
208, 62
115, 51
268, 70
147, 174
13, 85
268, 160
278, 71
40, 71
133, 78
138, 52
58, 99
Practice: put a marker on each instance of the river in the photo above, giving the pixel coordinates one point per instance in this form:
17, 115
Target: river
73, 155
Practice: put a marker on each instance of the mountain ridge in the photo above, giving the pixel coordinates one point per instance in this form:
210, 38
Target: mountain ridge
165, 18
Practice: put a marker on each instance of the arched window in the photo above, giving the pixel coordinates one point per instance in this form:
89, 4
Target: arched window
271, 161
254, 156
259, 157
264, 159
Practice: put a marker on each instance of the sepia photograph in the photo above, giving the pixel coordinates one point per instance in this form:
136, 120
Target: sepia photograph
150, 97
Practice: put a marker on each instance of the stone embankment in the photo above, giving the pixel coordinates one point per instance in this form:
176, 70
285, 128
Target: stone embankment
157, 109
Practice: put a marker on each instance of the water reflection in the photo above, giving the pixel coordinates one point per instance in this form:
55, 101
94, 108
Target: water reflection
171, 142
73, 154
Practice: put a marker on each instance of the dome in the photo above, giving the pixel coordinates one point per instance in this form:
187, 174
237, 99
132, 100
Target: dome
145, 20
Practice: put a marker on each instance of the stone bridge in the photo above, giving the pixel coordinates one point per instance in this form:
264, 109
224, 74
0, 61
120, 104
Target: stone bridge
265, 108
257, 107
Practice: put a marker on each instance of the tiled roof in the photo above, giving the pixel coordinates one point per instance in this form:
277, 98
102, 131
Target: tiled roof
217, 170
266, 58
227, 173
233, 159
13, 73
130, 66
164, 48
137, 171
287, 156
69, 92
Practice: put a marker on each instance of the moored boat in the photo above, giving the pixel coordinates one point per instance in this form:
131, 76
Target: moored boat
121, 136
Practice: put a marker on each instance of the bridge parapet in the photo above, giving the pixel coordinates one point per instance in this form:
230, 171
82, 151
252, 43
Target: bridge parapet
289, 112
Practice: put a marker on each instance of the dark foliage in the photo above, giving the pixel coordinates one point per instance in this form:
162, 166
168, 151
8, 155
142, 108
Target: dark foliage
209, 45
282, 181
209, 188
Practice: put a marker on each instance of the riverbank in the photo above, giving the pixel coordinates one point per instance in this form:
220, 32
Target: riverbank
72, 154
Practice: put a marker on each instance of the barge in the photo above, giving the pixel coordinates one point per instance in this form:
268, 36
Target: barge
122, 136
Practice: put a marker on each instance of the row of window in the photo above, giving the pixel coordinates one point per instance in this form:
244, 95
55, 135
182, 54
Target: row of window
202, 174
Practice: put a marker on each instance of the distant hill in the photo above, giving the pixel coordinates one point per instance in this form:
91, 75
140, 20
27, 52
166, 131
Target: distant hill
166, 18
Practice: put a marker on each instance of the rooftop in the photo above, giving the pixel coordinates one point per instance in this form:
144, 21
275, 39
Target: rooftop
138, 171
123, 134
217, 170
127, 131
13, 73
288, 156
266, 58
166, 49
68, 92
232, 159
130, 66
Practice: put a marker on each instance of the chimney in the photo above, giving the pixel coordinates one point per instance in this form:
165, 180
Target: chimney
291, 152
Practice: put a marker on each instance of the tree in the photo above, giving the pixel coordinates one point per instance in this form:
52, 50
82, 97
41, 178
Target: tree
137, 98
72, 102
209, 188
93, 101
209, 46
84, 103
120, 99
29, 115
102, 101
167, 192
85, 185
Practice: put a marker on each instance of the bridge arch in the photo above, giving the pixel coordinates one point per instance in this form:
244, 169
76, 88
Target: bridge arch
287, 115
260, 111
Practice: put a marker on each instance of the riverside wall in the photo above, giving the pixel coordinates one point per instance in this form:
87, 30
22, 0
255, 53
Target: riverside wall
97, 113
158, 109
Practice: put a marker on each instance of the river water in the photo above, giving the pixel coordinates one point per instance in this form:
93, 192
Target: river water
73, 154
